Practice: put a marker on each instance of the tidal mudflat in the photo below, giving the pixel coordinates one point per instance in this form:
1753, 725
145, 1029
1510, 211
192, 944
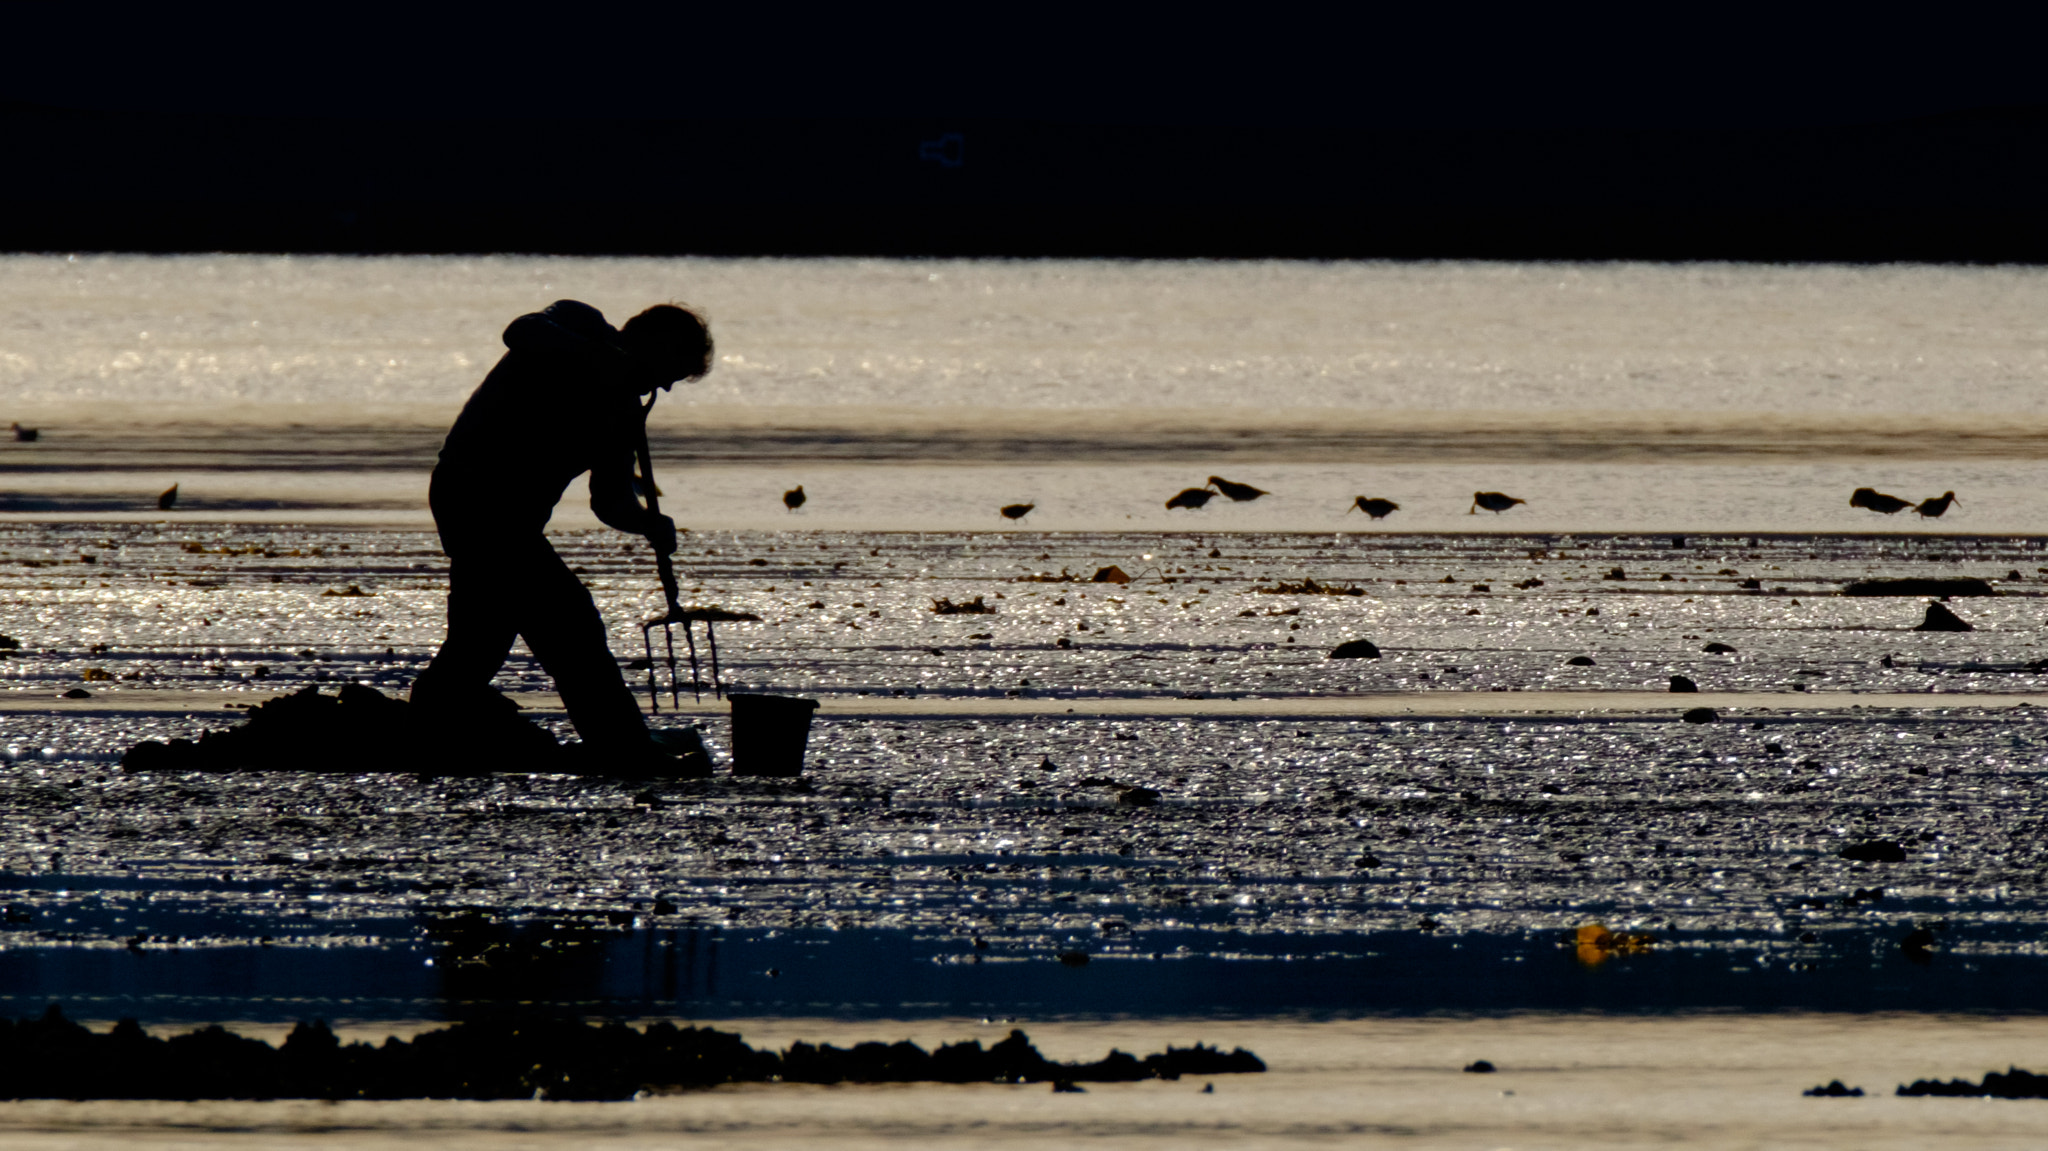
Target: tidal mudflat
978, 834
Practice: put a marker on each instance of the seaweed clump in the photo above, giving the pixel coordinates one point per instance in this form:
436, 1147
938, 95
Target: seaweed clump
54, 1058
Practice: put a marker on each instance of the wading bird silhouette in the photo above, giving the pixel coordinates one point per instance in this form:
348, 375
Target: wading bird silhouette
1877, 501
1191, 498
1494, 502
1374, 507
1238, 493
1932, 508
794, 498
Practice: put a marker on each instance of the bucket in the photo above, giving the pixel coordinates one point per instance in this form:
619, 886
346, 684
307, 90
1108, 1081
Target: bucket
769, 733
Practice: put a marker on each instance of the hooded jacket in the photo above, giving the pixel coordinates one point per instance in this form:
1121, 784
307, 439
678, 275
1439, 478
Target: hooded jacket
562, 401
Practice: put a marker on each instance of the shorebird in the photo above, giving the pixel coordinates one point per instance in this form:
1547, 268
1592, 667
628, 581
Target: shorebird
167, 499
25, 435
1494, 502
1375, 507
1191, 498
1877, 501
1932, 508
1016, 511
794, 498
1238, 493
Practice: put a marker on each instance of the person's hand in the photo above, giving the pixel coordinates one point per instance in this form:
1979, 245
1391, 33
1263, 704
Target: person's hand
662, 534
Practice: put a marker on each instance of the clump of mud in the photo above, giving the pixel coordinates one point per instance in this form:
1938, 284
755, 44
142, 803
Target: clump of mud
359, 729
55, 1058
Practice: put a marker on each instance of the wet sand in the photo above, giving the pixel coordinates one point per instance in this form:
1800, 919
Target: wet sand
1418, 831
1563, 1082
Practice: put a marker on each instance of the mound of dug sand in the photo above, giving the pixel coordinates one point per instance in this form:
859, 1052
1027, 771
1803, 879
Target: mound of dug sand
361, 729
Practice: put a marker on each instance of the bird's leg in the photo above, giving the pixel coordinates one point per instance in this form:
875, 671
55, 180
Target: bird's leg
717, 684
653, 692
675, 689
696, 677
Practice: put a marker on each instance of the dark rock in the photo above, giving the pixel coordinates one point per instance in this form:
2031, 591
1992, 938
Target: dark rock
1616, 574
1479, 1067
1875, 851
54, 1058
1355, 649
1835, 1090
2014, 1083
1682, 683
75, 693
1701, 715
1938, 586
1074, 958
1580, 661
1138, 797
1918, 945
1718, 649
1939, 618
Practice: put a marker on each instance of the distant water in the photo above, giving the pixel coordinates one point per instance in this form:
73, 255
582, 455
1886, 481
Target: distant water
1582, 386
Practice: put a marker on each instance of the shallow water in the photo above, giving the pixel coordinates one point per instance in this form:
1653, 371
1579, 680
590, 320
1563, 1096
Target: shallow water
922, 396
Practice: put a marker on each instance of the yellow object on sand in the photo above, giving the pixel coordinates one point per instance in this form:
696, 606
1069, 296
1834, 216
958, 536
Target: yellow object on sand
1596, 944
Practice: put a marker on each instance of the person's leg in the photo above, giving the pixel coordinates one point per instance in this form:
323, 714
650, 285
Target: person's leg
562, 627
481, 627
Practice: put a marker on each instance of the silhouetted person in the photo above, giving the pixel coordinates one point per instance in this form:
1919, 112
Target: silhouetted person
1877, 501
1376, 508
1238, 493
167, 499
1495, 502
564, 400
1191, 498
1934, 507
1016, 511
794, 498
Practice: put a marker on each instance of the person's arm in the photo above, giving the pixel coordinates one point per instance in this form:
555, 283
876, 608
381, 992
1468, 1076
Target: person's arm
612, 498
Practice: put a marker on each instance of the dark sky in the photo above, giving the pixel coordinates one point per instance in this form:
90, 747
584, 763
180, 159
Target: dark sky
1465, 67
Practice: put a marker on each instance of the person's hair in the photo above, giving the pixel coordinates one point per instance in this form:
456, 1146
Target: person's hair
671, 339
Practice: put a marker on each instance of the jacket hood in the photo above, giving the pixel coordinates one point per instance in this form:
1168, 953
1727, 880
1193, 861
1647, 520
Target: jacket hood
563, 326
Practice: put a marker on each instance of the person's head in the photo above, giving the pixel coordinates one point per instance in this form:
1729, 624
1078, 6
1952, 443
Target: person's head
671, 342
